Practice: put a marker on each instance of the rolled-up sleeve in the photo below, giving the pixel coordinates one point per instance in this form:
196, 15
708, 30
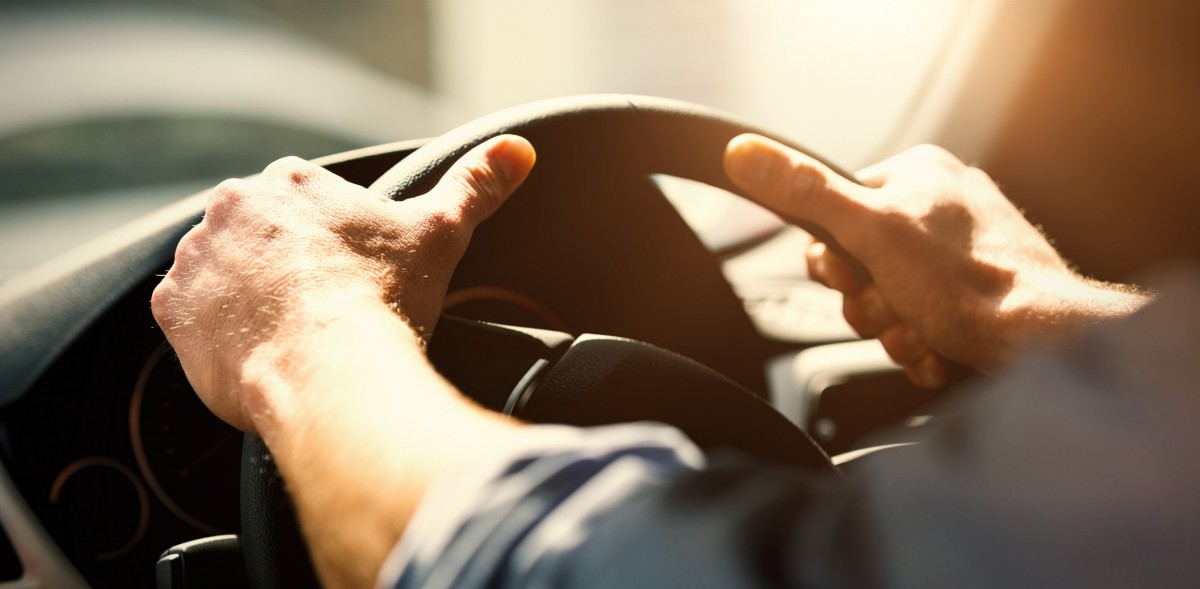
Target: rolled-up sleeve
521, 520
1076, 469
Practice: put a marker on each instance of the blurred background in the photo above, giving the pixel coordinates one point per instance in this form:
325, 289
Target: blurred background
112, 108
1084, 110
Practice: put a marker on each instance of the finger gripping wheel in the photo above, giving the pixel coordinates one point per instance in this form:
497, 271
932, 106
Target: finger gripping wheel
620, 134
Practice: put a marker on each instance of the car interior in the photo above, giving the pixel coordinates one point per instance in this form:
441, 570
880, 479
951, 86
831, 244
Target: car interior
625, 281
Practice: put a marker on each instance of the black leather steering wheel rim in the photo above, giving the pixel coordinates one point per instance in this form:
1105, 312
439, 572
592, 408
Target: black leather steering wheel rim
634, 134
628, 134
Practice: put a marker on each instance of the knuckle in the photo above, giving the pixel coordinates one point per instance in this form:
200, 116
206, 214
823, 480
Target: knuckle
232, 187
483, 182
445, 229
977, 175
874, 176
158, 298
443, 220
294, 169
189, 248
161, 298
854, 315
936, 154
185, 245
447, 224
225, 197
867, 313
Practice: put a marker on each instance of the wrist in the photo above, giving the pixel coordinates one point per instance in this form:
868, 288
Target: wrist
1058, 310
359, 424
324, 341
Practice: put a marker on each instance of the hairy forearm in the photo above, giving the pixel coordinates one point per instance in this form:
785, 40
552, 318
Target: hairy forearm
336, 402
284, 306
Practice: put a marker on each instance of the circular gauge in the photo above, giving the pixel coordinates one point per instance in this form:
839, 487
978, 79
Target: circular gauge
189, 458
106, 502
502, 305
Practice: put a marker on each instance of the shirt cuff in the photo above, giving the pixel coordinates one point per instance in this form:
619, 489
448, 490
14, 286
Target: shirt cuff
472, 518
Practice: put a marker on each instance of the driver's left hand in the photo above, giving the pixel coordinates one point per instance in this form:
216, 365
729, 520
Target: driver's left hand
285, 251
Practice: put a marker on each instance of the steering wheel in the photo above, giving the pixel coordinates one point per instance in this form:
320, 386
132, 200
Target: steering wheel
544, 376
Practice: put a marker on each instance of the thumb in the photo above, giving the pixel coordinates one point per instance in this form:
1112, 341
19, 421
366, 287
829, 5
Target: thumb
795, 185
479, 182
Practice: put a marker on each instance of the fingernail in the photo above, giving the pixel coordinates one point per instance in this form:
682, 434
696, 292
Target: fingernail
750, 159
501, 155
506, 152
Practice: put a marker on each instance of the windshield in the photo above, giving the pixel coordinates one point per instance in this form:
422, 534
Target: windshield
112, 109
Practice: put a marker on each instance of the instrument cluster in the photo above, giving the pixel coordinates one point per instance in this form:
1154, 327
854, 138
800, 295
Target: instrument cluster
116, 455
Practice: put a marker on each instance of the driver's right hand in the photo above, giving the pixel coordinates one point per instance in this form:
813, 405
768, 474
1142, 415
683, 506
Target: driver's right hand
957, 272
281, 256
